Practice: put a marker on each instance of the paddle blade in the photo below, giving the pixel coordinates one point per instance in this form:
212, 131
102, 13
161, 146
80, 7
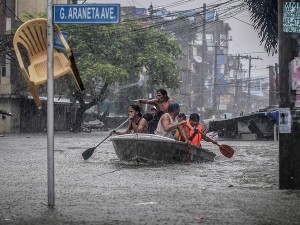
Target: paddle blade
88, 153
226, 150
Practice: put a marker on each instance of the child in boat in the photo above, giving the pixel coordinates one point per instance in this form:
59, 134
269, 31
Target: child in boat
195, 130
178, 136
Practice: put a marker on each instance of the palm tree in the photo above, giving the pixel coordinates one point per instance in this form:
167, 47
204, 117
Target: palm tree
264, 15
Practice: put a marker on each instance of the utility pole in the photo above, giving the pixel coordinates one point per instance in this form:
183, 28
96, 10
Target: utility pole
236, 86
271, 88
214, 97
217, 45
289, 154
150, 10
203, 54
277, 84
249, 81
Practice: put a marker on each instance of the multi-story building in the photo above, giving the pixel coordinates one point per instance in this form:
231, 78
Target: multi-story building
8, 98
204, 73
12, 85
204, 42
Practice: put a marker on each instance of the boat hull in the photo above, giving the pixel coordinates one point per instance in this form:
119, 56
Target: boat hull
151, 147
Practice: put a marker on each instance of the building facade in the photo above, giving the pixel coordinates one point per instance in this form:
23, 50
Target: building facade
13, 89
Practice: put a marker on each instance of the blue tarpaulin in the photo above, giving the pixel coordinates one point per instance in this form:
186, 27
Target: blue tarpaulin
274, 115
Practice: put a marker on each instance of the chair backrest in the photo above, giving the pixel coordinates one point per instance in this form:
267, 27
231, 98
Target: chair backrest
32, 35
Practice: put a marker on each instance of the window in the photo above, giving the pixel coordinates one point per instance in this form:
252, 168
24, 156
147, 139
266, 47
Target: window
3, 71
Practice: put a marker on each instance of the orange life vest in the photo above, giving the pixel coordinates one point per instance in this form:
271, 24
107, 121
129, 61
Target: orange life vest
197, 139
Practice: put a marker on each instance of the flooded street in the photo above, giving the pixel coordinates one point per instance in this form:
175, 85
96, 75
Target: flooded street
103, 190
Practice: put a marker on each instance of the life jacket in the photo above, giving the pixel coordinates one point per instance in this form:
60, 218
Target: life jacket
178, 135
197, 139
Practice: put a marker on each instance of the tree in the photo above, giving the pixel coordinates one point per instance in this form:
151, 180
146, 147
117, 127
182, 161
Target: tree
264, 15
113, 54
108, 54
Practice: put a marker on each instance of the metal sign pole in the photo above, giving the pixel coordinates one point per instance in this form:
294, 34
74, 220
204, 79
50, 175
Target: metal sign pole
50, 105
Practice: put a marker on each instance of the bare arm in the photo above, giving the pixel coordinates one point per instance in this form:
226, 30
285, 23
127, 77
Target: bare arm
208, 139
146, 101
183, 133
165, 121
127, 131
140, 127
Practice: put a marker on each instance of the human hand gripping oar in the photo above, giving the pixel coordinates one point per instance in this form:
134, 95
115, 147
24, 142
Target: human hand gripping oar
89, 152
226, 150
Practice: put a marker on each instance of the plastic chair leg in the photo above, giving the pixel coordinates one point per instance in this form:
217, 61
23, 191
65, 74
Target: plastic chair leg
78, 81
75, 72
35, 95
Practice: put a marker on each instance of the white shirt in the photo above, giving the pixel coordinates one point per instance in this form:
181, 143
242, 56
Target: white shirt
161, 131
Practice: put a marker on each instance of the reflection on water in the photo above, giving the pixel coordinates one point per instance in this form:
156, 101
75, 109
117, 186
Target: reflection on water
240, 190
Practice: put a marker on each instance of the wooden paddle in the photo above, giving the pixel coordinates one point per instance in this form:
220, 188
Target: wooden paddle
226, 150
89, 152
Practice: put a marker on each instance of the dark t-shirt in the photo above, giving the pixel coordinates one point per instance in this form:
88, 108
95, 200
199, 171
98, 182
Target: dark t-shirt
152, 125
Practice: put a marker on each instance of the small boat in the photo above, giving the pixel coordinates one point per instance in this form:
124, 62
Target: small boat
150, 147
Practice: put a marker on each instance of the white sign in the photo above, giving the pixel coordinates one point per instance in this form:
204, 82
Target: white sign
87, 13
222, 107
291, 17
285, 120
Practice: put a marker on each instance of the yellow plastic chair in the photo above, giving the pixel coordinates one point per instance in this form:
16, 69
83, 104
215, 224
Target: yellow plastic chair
32, 35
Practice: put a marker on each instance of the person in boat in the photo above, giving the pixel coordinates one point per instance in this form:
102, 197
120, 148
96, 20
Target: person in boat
137, 124
178, 136
153, 111
161, 102
152, 124
169, 122
194, 130
149, 118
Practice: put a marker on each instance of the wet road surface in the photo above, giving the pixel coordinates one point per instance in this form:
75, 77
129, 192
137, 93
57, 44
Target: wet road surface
103, 190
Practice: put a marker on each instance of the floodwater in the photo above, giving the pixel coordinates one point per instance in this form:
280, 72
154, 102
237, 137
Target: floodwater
103, 190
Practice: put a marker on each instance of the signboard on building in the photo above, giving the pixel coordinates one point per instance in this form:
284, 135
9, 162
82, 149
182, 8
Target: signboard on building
87, 13
291, 17
222, 107
226, 99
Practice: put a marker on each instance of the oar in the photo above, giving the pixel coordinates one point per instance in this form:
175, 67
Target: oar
226, 150
89, 152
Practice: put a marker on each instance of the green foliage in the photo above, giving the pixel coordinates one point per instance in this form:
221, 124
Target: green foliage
113, 53
30, 15
264, 14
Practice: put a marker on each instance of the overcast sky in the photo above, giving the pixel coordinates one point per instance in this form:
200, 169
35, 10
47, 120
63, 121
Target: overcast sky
244, 39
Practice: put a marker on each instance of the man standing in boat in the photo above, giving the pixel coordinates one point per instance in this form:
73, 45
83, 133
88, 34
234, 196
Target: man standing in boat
137, 124
161, 102
169, 122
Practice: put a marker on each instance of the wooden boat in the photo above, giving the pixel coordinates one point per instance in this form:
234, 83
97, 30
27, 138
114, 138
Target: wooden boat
150, 147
